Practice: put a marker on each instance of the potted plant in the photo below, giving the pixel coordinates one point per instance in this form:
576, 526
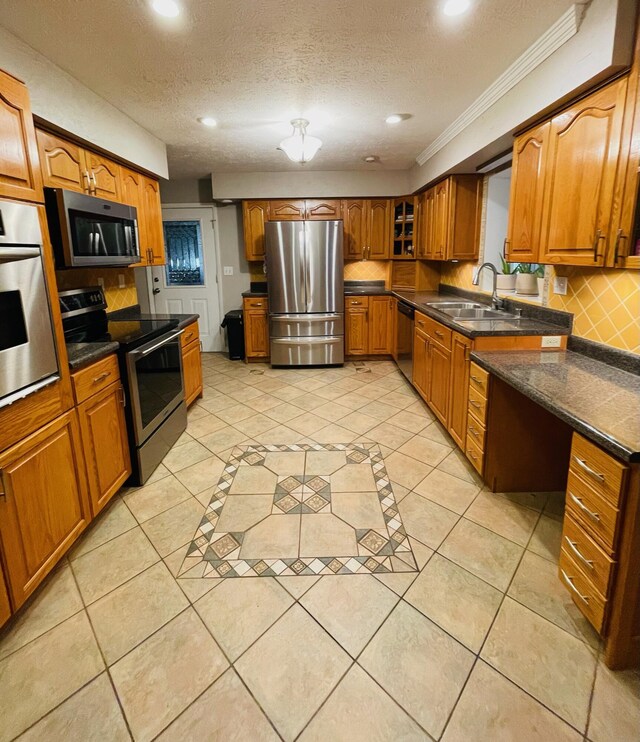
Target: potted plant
527, 278
507, 279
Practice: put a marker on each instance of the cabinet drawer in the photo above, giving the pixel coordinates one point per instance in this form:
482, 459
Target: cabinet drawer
477, 405
587, 555
190, 335
255, 302
583, 592
479, 379
94, 378
438, 333
598, 469
475, 432
420, 322
357, 302
591, 511
474, 454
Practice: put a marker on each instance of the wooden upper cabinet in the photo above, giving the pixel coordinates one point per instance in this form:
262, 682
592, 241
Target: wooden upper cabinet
62, 163
254, 216
105, 176
316, 209
440, 220
355, 227
19, 167
426, 243
584, 141
379, 213
291, 211
525, 205
152, 213
131, 188
45, 505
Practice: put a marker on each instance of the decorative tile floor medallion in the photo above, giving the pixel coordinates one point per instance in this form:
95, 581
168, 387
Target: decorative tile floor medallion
279, 532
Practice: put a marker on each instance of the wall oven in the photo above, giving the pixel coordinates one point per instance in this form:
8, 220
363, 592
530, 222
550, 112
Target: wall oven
403, 351
28, 359
89, 231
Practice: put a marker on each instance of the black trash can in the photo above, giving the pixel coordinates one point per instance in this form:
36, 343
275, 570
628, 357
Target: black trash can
234, 323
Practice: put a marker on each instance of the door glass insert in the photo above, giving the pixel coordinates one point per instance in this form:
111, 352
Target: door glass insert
183, 242
13, 331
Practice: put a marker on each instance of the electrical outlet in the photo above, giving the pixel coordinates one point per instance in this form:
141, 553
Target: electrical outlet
121, 283
228, 270
560, 284
551, 341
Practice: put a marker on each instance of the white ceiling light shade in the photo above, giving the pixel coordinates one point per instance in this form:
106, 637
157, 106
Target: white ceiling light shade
456, 7
167, 8
208, 121
300, 147
395, 118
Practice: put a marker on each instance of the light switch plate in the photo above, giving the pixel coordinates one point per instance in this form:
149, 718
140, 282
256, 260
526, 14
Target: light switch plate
551, 341
560, 285
228, 270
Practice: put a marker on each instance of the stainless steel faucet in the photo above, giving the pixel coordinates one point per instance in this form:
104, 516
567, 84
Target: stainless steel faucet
496, 302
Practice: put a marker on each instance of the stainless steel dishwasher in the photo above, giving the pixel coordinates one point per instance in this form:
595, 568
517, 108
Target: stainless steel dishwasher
403, 351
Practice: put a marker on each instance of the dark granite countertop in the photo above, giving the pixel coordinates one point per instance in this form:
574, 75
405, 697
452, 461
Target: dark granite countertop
135, 313
82, 354
525, 326
600, 401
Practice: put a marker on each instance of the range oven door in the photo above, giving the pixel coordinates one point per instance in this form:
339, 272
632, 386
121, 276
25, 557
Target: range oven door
87, 231
403, 351
156, 385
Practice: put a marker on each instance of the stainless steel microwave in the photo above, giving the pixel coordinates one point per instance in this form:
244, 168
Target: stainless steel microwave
88, 231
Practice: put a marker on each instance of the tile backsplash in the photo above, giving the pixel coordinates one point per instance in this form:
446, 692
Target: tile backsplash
117, 297
366, 270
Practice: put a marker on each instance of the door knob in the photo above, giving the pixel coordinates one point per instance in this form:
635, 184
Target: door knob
156, 291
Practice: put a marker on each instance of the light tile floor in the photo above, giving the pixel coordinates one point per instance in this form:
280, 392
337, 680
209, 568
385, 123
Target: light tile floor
384, 594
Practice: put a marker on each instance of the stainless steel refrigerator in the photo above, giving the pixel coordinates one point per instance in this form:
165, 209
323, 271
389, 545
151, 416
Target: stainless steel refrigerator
305, 277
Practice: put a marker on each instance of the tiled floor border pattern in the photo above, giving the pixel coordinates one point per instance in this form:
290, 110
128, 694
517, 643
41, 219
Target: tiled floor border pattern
378, 552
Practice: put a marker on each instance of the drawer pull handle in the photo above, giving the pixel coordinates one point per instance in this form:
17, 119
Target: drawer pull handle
475, 404
474, 432
356, 303
584, 508
102, 377
574, 548
439, 334
477, 380
472, 455
583, 465
569, 581
188, 335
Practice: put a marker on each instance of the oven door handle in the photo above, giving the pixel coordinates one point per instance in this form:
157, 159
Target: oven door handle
164, 341
9, 254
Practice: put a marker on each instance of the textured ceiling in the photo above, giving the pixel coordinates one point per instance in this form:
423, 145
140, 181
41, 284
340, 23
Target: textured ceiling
254, 65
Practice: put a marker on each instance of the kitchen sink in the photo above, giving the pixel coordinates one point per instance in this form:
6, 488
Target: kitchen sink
477, 314
442, 306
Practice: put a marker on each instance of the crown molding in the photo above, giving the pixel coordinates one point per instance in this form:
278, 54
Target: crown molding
556, 35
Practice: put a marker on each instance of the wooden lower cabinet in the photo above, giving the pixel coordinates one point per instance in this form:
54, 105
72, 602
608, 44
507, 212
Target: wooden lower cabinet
369, 325
45, 505
420, 355
380, 325
5, 603
356, 331
105, 443
192, 370
439, 376
459, 387
256, 329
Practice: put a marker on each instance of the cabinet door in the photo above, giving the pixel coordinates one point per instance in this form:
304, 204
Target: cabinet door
439, 372
192, 369
420, 352
152, 214
356, 332
105, 443
459, 388
440, 220
105, 176
464, 215
254, 215
527, 187
378, 239
256, 334
354, 213
131, 192
379, 325
62, 163
19, 168
5, 604
428, 226
286, 211
45, 505
323, 210
577, 211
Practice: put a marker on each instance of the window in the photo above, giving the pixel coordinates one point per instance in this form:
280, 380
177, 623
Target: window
183, 241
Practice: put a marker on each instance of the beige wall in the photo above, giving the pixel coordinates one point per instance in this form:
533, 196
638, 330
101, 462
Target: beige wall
311, 183
64, 101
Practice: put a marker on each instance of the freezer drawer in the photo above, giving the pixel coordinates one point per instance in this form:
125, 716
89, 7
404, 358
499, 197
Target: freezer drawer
309, 351
306, 325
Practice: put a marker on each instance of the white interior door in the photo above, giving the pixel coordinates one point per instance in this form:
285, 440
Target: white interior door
188, 283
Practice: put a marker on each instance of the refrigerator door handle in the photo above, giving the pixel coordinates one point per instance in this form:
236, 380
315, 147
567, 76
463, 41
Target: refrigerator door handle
307, 285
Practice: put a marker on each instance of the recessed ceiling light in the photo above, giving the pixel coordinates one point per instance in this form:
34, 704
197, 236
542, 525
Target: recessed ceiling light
395, 118
456, 7
371, 158
207, 121
167, 8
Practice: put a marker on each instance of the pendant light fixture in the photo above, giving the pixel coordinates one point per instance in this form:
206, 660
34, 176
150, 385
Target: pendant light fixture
300, 147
